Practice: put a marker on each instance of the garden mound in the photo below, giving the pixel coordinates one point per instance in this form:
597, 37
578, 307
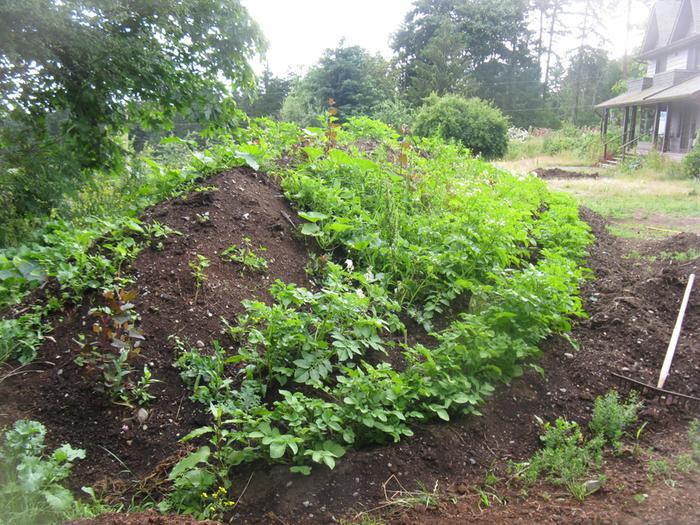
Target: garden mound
232, 206
632, 306
558, 173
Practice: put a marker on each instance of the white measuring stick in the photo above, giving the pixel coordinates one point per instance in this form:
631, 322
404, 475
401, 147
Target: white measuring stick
676, 334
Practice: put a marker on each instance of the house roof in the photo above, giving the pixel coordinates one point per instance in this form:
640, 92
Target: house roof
662, 21
654, 95
685, 89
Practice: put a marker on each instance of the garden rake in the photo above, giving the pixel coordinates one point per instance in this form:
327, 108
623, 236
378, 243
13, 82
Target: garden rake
658, 393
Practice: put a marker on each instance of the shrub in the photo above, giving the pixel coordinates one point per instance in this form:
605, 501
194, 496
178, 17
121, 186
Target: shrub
474, 122
691, 162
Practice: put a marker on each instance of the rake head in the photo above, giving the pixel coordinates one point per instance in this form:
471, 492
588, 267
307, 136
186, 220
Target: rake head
663, 397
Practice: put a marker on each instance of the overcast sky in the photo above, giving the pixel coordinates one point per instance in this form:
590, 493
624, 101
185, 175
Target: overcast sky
299, 30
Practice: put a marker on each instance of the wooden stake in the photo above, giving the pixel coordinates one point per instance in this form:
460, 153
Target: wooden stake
676, 334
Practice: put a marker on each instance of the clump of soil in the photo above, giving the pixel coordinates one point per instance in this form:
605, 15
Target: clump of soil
558, 173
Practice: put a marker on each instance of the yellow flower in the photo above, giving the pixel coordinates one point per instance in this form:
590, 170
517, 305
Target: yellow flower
204, 495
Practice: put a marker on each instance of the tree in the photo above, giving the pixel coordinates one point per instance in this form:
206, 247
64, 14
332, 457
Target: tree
591, 78
103, 63
470, 47
355, 79
268, 96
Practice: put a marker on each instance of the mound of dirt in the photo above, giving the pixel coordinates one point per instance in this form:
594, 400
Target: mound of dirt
141, 518
558, 173
232, 206
680, 243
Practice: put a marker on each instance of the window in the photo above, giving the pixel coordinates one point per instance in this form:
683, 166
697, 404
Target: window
694, 58
661, 64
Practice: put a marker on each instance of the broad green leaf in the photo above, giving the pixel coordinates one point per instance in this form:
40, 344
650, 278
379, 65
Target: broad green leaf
310, 229
201, 455
201, 431
249, 159
277, 450
312, 216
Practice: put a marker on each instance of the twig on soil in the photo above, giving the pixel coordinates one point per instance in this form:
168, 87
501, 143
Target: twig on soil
177, 415
18, 371
404, 498
126, 468
242, 493
278, 518
662, 229
289, 219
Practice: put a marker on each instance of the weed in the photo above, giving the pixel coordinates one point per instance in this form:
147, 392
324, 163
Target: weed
245, 255
566, 458
611, 417
202, 218
685, 463
198, 270
640, 498
658, 468
140, 392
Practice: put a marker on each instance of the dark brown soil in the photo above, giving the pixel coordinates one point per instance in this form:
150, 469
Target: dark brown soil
632, 305
558, 173
141, 518
244, 204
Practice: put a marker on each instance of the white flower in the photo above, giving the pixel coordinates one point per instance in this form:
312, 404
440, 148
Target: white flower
349, 265
360, 293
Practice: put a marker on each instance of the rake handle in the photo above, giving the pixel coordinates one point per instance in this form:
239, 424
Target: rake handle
666, 368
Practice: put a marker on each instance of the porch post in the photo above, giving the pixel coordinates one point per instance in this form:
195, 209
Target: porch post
655, 133
668, 127
625, 125
604, 132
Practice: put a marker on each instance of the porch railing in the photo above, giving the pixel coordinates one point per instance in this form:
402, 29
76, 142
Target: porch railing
623, 148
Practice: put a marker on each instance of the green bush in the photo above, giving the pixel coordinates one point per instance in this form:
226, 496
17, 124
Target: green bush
474, 122
691, 162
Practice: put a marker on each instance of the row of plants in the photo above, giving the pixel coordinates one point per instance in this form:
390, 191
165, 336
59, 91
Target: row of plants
488, 264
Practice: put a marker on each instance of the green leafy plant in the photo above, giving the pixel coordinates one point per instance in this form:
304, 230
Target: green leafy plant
115, 346
244, 254
658, 468
611, 417
566, 457
31, 479
198, 270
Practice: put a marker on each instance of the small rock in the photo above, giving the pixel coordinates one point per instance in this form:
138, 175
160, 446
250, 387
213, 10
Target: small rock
592, 486
569, 355
199, 343
472, 461
142, 415
307, 503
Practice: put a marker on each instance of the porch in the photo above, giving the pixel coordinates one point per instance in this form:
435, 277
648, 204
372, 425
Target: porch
669, 128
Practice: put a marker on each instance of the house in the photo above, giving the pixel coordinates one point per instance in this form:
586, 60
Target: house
662, 110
